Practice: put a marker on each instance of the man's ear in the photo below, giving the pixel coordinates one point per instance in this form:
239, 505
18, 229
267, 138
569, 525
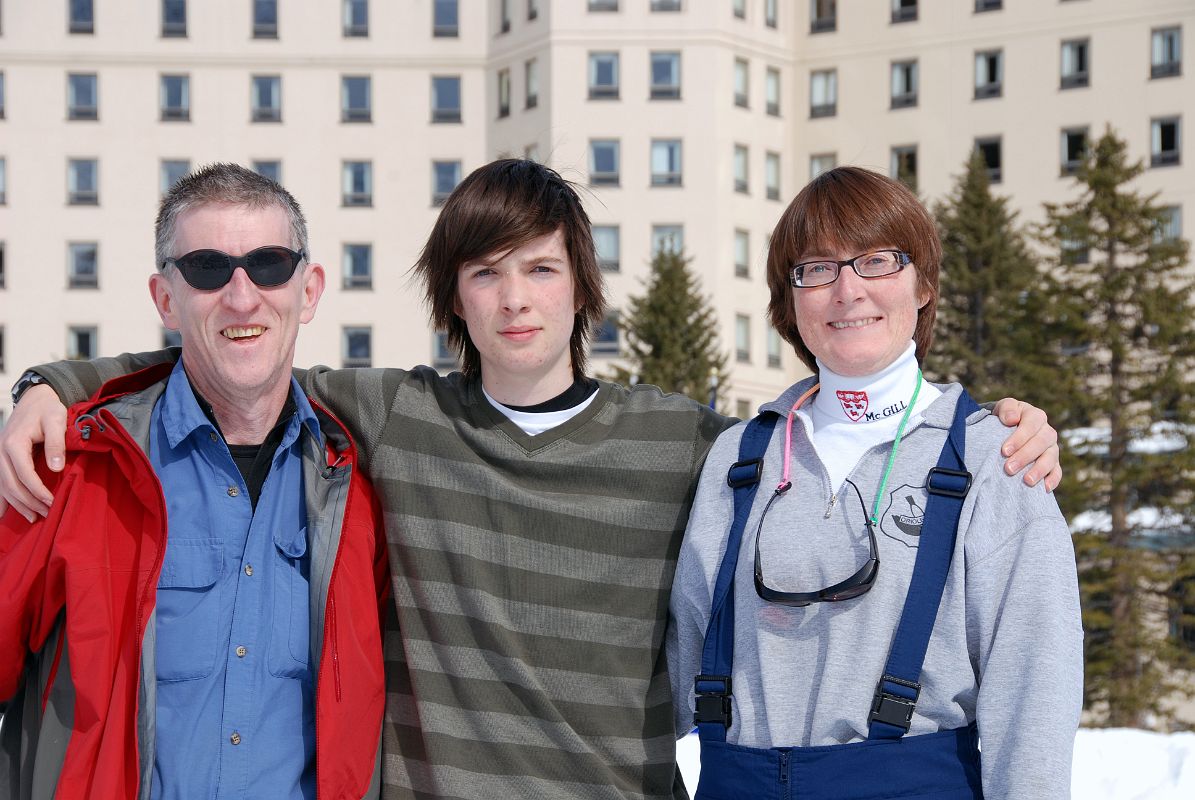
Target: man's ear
162, 293
313, 290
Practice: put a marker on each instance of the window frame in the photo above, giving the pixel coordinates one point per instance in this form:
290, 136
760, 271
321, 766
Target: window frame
599, 90
353, 278
1171, 63
995, 174
1067, 165
74, 111
76, 279
991, 87
347, 359
829, 78
908, 73
86, 196
181, 112
173, 29
605, 177
664, 91
1074, 78
164, 172
443, 29
78, 25
350, 196
445, 114
605, 262
73, 332
823, 22
351, 26
265, 113
672, 150
742, 83
265, 29
742, 253
1165, 158
898, 159
439, 194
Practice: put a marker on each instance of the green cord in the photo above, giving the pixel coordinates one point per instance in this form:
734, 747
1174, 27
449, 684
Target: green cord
875, 507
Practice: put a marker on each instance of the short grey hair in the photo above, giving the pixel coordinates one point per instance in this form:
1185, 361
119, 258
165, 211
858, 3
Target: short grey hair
225, 183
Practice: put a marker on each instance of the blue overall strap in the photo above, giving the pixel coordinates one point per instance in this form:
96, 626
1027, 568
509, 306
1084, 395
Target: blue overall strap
947, 485
717, 656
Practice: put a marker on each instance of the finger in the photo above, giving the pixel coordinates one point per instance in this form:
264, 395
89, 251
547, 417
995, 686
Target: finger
27, 488
1054, 478
1030, 422
1008, 411
18, 497
54, 428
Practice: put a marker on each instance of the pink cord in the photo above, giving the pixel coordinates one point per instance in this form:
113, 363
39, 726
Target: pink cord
788, 436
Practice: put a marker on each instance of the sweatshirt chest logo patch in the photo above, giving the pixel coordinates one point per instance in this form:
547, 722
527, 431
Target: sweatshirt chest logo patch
854, 404
904, 514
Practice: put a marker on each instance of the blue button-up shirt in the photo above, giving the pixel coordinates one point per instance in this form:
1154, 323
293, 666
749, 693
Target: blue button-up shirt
235, 697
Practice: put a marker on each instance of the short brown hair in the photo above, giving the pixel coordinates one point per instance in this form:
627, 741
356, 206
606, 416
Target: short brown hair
223, 183
851, 208
499, 207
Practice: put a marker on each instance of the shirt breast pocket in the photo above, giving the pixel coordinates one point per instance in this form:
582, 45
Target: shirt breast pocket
290, 636
188, 609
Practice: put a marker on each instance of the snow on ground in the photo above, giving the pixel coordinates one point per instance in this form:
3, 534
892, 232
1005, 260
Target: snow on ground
1110, 764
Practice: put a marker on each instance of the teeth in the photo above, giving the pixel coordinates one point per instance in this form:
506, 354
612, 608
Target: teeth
241, 333
855, 323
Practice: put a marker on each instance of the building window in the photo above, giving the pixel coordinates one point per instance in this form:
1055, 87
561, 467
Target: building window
989, 74
1075, 56
823, 16
606, 242
176, 98
2, 279
603, 5
1, 95
665, 5
358, 266
357, 183
82, 96
665, 162
355, 98
446, 98
988, 5
822, 162
81, 342
1074, 149
904, 10
1164, 142
531, 153
667, 239
904, 165
266, 98
446, 19
532, 10
603, 76
269, 169
445, 176
265, 19
1169, 229
989, 148
356, 18
531, 83
740, 168
171, 338
770, 15
82, 182
503, 93
82, 268
742, 253
605, 338
172, 171
3, 182
904, 84
823, 93
1, 366
742, 338
443, 356
742, 84
357, 346
82, 16
771, 173
503, 16
174, 18
771, 87
1166, 53
665, 76
774, 348
740, 8
603, 162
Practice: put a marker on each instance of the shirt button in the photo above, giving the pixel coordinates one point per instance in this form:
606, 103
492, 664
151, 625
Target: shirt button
241, 650
235, 738
233, 491
249, 570
212, 435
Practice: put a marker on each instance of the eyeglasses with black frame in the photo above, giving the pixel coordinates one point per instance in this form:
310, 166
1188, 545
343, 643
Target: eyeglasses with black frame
854, 586
211, 269
823, 272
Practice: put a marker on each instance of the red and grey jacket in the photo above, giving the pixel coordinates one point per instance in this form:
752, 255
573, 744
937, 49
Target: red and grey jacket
77, 592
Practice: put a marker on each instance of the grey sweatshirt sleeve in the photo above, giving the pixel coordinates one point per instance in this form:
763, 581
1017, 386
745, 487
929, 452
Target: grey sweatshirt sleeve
1024, 630
363, 399
75, 381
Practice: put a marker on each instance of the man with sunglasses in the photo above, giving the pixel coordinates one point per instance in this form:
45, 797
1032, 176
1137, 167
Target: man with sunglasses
534, 514
202, 598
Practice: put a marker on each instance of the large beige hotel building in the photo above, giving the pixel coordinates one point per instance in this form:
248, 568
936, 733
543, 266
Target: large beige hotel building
690, 122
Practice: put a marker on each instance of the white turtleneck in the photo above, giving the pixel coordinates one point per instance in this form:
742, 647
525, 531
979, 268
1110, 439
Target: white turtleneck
850, 415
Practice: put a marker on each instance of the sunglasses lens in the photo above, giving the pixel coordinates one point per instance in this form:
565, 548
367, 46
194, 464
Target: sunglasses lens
270, 266
205, 269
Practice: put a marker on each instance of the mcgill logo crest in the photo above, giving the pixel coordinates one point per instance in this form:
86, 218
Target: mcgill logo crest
853, 403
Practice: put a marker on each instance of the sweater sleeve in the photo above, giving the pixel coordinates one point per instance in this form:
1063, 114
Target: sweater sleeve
76, 381
363, 399
1027, 641
696, 571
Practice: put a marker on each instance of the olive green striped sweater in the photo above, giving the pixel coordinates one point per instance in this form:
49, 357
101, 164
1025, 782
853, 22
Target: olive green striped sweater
531, 584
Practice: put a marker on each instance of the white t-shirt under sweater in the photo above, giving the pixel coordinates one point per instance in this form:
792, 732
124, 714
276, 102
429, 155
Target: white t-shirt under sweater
849, 416
534, 423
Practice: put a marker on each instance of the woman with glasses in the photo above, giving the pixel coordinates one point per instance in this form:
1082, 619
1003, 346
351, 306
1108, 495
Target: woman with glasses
863, 597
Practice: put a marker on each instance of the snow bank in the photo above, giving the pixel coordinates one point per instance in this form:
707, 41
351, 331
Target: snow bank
1111, 764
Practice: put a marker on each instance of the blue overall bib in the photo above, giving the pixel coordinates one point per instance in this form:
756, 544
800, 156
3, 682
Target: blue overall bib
933, 766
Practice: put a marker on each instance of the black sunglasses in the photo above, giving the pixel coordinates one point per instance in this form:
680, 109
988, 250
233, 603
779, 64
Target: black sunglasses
211, 269
858, 584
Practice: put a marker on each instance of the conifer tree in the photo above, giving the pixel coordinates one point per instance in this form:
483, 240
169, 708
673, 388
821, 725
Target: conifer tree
1134, 351
671, 333
996, 307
